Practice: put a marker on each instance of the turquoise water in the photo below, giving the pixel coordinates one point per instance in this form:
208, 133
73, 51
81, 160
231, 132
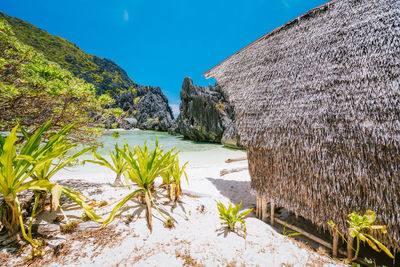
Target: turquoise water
138, 137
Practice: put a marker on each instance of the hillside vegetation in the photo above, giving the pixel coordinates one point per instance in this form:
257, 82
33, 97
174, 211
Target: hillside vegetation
146, 107
104, 74
34, 90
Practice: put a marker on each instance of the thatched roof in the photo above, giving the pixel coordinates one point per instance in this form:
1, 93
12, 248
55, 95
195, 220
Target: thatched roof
317, 105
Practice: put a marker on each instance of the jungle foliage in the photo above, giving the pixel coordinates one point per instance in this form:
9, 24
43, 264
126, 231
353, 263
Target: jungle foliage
34, 90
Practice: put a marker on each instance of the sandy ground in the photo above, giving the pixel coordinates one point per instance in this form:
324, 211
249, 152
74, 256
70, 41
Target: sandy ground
197, 239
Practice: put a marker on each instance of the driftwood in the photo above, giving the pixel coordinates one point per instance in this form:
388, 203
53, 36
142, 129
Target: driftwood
236, 159
227, 171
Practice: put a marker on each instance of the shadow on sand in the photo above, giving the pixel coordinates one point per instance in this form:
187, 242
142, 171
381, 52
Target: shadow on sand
234, 190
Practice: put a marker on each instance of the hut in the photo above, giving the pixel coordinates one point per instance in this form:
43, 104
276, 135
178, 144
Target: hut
317, 104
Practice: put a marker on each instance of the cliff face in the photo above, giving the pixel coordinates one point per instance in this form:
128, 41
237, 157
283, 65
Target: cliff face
148, 106
151, 112
206, 115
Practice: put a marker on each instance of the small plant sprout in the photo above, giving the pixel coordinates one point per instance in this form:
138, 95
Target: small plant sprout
172, 179
169, 223
289, 232
230, 216
358, 225
117, 164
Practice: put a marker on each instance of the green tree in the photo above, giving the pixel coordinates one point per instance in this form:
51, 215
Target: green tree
34, 90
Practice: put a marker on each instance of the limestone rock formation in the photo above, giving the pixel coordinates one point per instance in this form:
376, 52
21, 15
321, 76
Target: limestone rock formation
206, 115
146, 108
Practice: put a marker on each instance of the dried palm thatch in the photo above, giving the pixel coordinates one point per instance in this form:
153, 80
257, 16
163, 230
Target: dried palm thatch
317, 105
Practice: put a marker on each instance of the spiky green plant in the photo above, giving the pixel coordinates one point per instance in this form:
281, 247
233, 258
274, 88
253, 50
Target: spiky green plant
145, 165
230, 216
118, 163
172, 179
58, 151
16, 169
358, 225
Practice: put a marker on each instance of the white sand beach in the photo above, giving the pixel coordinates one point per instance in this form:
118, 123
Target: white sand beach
197, 239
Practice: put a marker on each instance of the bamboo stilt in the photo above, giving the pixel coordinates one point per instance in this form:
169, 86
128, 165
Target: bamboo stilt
335, 243
264, 210
350, 242
257, 206
272, 213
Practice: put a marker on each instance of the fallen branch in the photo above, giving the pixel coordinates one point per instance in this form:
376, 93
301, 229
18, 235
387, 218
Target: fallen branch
236, 159
227, 171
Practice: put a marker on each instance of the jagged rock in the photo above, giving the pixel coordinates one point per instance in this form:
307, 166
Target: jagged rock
145, 107
205, 114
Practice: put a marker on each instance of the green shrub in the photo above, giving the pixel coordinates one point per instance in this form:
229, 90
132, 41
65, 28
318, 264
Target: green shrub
30, 84
358, 225
230, 216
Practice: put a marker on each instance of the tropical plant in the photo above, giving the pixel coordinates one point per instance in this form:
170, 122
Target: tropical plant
118, 163
358, 225
16, 169
34, 90
289, 232
230, 216
172, 179
145, 165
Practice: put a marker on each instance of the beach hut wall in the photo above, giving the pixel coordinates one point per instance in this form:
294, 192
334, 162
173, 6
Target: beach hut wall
317, 104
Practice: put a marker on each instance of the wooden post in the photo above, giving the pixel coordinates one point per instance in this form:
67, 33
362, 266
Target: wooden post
335, 243
350, 244
264, 210
258, 206
260, 213
272, 213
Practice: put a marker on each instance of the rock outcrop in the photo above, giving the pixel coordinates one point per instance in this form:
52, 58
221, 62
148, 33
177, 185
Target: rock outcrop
145, 107
206, 115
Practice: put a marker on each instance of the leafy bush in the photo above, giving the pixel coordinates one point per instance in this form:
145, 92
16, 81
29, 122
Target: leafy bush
70, 57
358, 225
34, 90
230, 216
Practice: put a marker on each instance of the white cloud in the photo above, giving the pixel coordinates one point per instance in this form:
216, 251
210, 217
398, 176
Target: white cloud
286, 4
175, 109
126, 15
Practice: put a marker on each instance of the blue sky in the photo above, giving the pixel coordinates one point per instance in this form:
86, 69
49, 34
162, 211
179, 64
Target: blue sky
158, 43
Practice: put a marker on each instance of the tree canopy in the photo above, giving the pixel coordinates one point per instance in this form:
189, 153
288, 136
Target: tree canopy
34, 90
